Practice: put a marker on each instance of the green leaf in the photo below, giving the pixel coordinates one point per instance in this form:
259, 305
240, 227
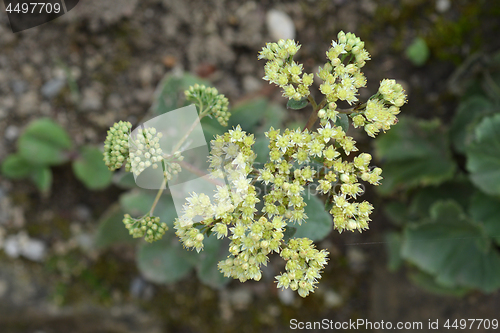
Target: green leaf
342, 121
485, 209
294, 125
483, 156
397, 212
468, 115
165, 261
214, 250
457, 190
261, 148
42, 177
393, 241
428, 282
16, 167
275, 116
289, 233
165, 210
454, 249
137, 202
248, 114
414, 152
169, 94
44, 143
124, 180
211, 128
90, 169
319, 223
257, 113
297, 105
402, 212
111, 229
418, 51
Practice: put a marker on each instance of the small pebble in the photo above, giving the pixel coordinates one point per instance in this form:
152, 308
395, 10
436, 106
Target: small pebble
11, 132
443, 5
51, 88
280, 25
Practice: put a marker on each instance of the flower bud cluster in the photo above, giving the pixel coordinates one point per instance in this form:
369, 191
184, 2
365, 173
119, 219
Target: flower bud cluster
232, 213
392, 92
381, 109
116, 146
147, 151
339, 179
231, 158
304, 264
251, 243
148, 227
209, 100
342, 81
171, 167
281, 70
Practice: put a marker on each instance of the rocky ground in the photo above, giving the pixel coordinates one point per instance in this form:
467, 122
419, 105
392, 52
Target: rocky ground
101, 62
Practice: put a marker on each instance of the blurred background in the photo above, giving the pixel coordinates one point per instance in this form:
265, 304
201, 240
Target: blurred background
66, 261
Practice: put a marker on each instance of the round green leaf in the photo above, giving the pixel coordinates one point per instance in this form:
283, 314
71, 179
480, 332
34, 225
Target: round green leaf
319, 223
483, 156
42, 177
428, 282
44, 142
414, 152
469, 113
214, 250
248, 114
137, 202
289, 233
424, 198
454, 249
165, 210
297, 105
397, 212
393, 247
485, 209
418, 51
342, 121
274, 116
111, 229
169, 94
91, 170
211, 128
164, 261
261, 148
124, 179
16, 167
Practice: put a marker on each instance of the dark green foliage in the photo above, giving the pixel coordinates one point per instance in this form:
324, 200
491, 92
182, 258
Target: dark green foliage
297, 105
415, 153
450, 214
319, 223
453, 248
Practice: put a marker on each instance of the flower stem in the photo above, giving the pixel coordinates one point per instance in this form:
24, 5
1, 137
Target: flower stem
158, 195
357, 108
203, 113
314, 114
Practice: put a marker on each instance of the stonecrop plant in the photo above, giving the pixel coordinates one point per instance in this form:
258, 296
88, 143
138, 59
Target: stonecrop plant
257, 230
